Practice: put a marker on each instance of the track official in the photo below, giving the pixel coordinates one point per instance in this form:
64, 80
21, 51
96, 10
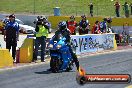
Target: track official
11, 34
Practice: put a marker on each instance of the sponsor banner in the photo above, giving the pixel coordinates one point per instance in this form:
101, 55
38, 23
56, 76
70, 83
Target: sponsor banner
92, 42
82, 78
104, 78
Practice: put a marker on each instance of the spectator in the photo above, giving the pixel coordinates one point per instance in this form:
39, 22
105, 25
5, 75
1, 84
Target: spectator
109, 28
96, 28
117, 8
103, 25
125, 28
84, 25
109, 21
126, 6
91, 9
131, 8
41, 35
11, 34
125, 33
72, 25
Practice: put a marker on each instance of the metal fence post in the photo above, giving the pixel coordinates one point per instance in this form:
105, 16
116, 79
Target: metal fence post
97, 9
34, 7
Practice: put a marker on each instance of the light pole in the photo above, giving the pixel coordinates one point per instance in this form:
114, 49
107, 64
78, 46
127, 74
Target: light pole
34, 7
97, 8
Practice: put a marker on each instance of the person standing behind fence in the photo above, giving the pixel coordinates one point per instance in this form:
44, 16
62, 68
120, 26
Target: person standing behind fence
91, 9
125, 28
126, 6
125, 32
84, 25
72, 25
96, 28
103, 25
117, 8
11, 34
109, 28
41, 35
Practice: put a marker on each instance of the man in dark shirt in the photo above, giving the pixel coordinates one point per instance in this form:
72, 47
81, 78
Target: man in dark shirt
91, 9
131, 8
11, 34
84, 25
126, 9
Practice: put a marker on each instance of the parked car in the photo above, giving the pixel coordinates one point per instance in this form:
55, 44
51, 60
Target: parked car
26, 29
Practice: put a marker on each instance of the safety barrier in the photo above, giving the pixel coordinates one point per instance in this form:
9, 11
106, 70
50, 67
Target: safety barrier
93, 42
115, 21
81, 43
26, 51
6, 59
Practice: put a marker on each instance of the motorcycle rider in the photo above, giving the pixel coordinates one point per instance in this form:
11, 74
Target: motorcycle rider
83, 25
64, 31
72, 25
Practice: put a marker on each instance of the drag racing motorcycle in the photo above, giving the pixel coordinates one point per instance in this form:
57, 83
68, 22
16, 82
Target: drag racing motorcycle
61, 59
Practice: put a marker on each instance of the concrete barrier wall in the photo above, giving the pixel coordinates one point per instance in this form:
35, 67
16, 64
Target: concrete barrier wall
93, 42
28, 19
6, 59
26, 51
115, 21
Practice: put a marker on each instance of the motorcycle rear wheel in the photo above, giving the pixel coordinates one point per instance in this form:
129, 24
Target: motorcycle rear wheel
70, 67
54, 64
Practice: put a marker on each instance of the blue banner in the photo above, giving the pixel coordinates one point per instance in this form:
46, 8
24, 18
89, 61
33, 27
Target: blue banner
92, 42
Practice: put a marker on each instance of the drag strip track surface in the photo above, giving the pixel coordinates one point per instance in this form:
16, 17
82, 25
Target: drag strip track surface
39, 77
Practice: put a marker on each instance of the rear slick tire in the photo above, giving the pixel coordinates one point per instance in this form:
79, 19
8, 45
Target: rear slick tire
54, 64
